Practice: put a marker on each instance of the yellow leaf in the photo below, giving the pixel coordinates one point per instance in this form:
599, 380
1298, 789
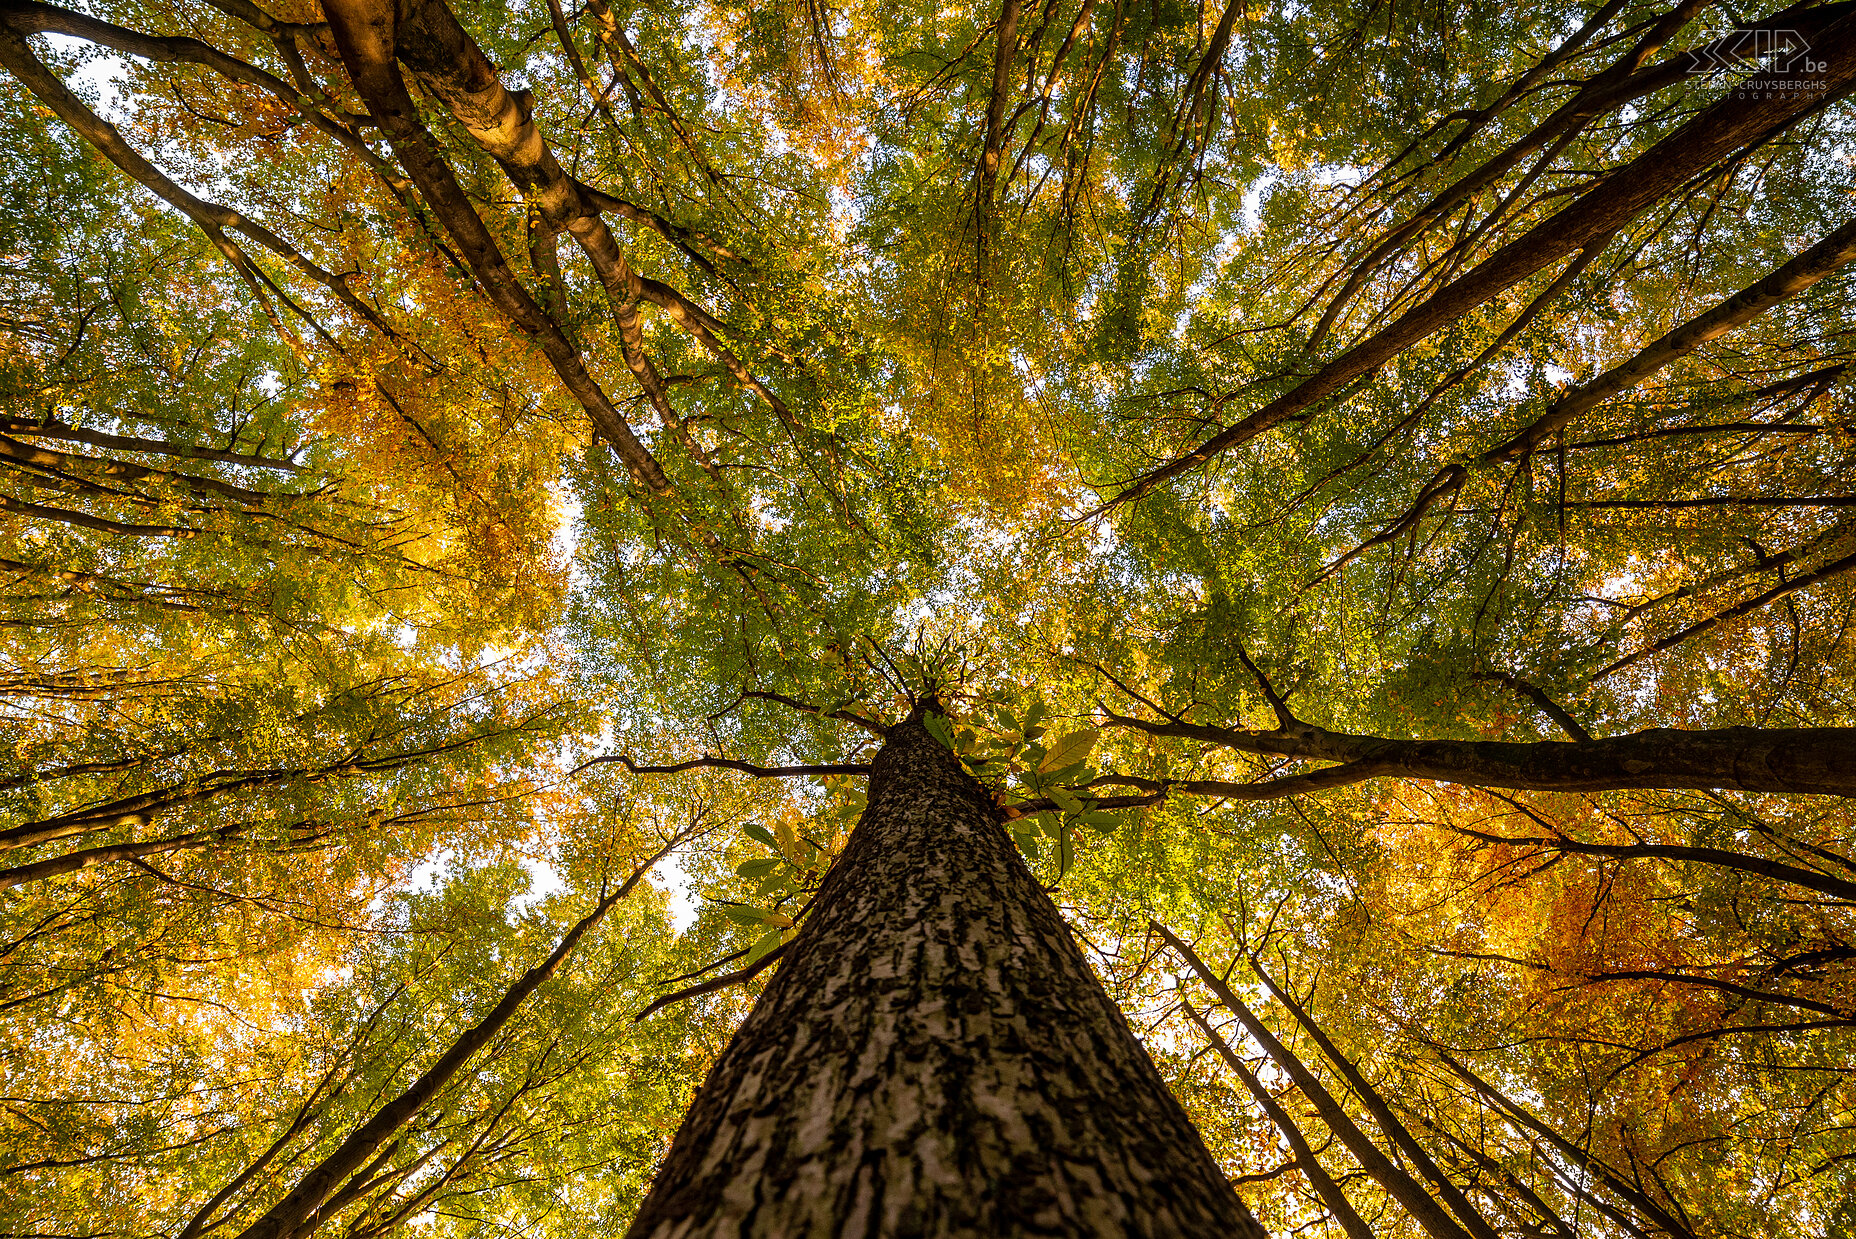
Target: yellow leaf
1069, 750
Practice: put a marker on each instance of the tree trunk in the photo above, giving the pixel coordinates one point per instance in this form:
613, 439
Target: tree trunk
934, 1057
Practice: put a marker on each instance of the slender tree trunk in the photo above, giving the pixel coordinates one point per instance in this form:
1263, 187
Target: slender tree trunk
935, 1058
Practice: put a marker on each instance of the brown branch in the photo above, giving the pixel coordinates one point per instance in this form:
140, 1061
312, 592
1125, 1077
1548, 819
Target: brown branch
683, 238
84, 520
45, 458
1816, 263
365, 37
305, 1114
1725, 987
1621, 83
1546, 705
1375, 1104
1721, 858
1393, 1178
623, 53
857, 720
986, 176
1573, 1150
1344, 775
1013, 812
28, 17
1722, 501
118, 591
715, 983
1817, 760
160, 447
1828, 572
211, 218
726, 763
252, 15
143, 807
72, 862
1278, 705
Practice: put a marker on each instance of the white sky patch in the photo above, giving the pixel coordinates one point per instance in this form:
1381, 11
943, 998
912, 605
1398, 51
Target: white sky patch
543, 880
671, 877
1252, 210
566, 540
99, 73
762, 512
429, 874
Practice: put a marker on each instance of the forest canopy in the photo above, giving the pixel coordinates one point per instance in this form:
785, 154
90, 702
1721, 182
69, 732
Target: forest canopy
1369, 488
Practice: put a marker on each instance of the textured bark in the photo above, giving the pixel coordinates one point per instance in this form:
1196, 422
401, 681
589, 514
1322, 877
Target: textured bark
935, 1058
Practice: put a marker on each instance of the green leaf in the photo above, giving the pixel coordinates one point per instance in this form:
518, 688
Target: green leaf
1070, 750
742, 914
1102, 820
765, 943
1065, 801
1066, 853
936, 726
760, 834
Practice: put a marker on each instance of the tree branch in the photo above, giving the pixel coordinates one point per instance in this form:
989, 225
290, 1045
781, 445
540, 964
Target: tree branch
1546, 704
1397, 1183
714, 983
725, 763
1814, 760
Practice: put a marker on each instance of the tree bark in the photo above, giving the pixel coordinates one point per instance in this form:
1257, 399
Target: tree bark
935, 1058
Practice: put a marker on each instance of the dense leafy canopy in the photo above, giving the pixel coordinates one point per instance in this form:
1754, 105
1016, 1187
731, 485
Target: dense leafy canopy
1372, 485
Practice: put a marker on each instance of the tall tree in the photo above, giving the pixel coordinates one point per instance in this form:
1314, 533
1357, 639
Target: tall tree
934, 1056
